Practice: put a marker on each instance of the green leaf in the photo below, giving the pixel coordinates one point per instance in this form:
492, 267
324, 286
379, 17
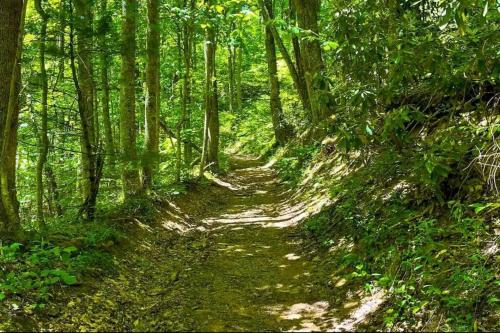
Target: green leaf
2, 296
491, 300
429, 166
15, 246
53, 280
369, 130
330, 45
68, 279
219, 9
478, 207
70, 249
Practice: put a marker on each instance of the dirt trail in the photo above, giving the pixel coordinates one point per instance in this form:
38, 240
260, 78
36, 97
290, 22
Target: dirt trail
255, 277
244, 271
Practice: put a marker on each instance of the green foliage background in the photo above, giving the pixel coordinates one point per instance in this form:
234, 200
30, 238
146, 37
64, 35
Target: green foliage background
415, 86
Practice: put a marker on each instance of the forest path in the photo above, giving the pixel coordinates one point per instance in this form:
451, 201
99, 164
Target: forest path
254, 278
244, 269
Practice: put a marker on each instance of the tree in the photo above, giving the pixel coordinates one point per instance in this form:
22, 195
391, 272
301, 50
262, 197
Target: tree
104, 28
83, 29
292, 68
231, 68
84, 85
312, 60
281, 129
12, 13
298, 55
188, 44
210, 154
130, 173
43, 137
233, 34
238, 77
150, 162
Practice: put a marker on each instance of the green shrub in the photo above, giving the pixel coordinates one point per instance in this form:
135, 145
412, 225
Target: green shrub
34, 270
292, 166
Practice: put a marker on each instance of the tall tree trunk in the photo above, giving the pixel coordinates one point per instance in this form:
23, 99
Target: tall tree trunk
230, 78
130, 174
317, 85
83, 29
302, 91
281, 129
84, 85
104, 55
97, 124
53, 189
61, 40
231, 61
180, 122
43, 136
152, 94
186, 94
210, 155
12, 14
298, 56
58, 116
237, 74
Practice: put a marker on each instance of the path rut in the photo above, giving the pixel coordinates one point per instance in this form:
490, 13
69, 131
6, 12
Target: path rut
245, 271
255, 278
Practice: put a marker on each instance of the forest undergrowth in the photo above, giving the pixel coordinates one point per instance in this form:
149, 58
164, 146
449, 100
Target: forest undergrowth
436, 251
249, 165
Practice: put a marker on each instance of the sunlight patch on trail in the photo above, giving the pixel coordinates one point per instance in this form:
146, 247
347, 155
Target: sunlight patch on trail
292, 256
364, 308
310, 315
287, 216
227, 185
175, 219
303, 310
259, 276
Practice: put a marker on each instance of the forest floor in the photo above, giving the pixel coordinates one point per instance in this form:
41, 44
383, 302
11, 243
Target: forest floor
241, 267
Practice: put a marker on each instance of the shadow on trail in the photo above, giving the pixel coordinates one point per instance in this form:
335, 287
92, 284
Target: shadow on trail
234, 263
254, 278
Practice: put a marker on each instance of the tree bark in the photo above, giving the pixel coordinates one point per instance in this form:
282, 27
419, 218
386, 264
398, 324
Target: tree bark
104, 55
12, 14
130, 174
281, 129
61, 40
231, 67
53, 189
43, 136
317, 85
231, 81
210, 155
150, 163
302, 91
180, 122
83, 30
82, 78
238, 69
298, 57
186, 94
